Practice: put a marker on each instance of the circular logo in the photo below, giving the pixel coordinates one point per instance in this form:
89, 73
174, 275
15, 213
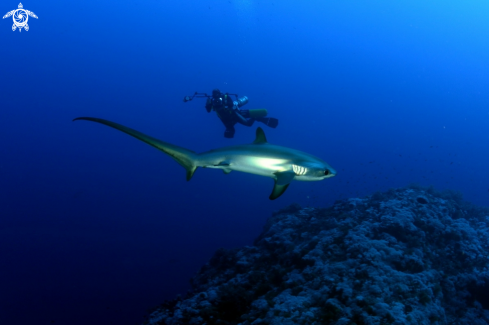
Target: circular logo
20, 17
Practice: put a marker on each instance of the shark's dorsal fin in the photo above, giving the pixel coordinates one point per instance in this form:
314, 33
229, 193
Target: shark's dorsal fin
260, 136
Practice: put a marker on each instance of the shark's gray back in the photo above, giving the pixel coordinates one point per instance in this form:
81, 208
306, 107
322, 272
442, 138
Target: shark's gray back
265, 150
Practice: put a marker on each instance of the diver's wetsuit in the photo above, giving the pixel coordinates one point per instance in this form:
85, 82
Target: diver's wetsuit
230, 115
223, 105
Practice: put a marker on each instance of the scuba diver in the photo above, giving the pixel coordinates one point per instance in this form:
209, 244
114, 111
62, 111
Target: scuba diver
229, 111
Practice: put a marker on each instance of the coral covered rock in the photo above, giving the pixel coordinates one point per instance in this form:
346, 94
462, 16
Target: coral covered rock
407, 256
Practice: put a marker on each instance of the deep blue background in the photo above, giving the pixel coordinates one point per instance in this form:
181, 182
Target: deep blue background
96, 227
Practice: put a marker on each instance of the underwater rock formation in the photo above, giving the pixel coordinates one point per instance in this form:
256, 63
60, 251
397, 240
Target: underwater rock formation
406, 256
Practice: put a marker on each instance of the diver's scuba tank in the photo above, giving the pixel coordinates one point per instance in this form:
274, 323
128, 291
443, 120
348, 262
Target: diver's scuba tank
241, 102
252, 113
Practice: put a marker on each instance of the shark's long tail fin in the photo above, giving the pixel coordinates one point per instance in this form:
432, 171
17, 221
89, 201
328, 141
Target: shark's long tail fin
183, 156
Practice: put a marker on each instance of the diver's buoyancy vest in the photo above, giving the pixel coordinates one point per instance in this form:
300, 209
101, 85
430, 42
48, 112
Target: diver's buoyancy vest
224, 109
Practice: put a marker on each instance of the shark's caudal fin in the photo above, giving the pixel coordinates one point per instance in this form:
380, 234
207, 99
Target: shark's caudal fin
183, 156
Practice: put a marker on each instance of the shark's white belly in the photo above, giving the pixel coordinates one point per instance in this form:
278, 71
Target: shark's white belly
254, 165
260, 166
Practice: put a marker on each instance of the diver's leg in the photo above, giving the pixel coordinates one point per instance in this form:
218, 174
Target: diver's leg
268, 121
229, 124
247, 122
229, 132
245, 113
239, 118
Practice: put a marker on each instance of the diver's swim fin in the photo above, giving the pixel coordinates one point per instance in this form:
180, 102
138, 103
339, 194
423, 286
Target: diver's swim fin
272, 122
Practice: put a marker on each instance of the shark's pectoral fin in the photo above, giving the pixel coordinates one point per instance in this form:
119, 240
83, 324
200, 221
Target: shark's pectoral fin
226, 170
281, 183
277, 191
284, 178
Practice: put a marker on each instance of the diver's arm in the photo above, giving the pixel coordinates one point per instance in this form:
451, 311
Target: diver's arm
230, 102
208, 105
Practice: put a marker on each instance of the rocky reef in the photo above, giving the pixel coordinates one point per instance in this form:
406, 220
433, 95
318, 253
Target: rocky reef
406, 256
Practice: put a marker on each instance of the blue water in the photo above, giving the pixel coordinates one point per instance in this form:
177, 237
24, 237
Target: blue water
96, 227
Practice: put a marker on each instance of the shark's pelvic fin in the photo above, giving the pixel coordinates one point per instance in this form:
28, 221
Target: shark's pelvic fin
260, 136
184, 157
225, 164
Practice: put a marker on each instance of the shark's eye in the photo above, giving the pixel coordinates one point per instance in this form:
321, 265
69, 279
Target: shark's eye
326, 172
